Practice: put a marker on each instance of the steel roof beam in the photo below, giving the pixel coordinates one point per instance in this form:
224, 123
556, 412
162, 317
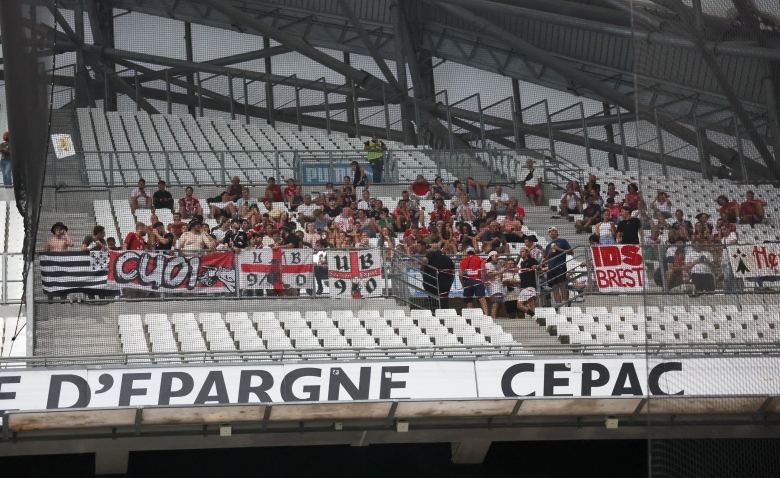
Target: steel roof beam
227, 60
598, 26
370, 46
240, 18
579, 79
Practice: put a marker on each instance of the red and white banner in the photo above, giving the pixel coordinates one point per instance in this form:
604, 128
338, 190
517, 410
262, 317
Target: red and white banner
619, 268
276, 269
170, 272
355, 273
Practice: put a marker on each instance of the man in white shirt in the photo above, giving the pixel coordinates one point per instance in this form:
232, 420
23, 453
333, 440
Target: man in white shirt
700, 263
496, 290
499, 200
571, 203
365, 201
531, 179
139, 198
306, 210
345, 220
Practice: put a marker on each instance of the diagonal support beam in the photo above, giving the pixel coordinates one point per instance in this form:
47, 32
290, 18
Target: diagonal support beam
370, 46
695, 34
99, 66
224, 61
361, 78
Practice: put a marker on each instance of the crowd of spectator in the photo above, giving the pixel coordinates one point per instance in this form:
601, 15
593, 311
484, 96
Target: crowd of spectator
467, 218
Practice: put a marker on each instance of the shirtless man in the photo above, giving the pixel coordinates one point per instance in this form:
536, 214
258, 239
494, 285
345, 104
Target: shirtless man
61, 240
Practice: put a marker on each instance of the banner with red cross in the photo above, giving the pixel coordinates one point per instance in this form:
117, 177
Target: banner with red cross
355, 274
276, 269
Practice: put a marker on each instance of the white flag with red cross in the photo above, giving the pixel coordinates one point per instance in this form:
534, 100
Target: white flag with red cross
277, 269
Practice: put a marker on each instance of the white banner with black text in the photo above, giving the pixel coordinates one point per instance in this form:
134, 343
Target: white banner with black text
388, 380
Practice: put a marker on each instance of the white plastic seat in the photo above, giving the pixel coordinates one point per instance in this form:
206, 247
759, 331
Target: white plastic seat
419, 341
363, 342
335, 342
445, 340
402, 321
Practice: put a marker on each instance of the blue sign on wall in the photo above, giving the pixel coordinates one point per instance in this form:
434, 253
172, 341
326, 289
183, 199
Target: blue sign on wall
320, 173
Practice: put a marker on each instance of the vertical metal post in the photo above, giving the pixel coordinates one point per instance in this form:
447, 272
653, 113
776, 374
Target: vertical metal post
585, 135
200, 95
331, 171
246, 100
704, 157
449, 119
517, 112
660, 135
612, 157
222, 167
111, 168
481, 121
327, 105
276, 157
232, 98
137, 90
297, 102
387, 113
550, 131
168, 92
189, 57
356, 109
350, 99
5, 278
106, 91
738, 137
167, 167
269, 87
626, 166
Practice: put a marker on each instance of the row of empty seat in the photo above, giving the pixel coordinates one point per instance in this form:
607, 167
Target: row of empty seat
670, 325
202, 151
284, 331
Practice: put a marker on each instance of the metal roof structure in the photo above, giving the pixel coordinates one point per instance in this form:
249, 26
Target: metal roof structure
666, 65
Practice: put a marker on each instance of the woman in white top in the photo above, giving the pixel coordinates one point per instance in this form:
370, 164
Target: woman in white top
606, 231
727, 238
662, 204
311, 235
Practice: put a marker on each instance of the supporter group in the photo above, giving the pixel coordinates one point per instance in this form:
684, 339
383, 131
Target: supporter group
475, 221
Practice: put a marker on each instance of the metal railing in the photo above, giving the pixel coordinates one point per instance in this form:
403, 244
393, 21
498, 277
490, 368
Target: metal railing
185, 168
12, 283
451, 352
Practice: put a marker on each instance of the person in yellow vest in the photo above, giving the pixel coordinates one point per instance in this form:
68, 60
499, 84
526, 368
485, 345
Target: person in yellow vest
375, 149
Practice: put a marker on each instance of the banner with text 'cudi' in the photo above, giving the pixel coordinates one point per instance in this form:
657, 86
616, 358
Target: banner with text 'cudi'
619, 268
276, 269
168, 272
751, 261
355, 274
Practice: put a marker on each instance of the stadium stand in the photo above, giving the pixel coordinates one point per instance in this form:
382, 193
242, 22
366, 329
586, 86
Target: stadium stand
195, 147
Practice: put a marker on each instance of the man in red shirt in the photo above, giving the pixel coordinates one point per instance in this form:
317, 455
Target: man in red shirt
421, 188
440, 213
273, 192
290, 189
752, 210
730, 208
189, 205
134, 241
472, 269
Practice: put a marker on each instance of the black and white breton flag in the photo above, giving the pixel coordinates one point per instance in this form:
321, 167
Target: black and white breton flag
74, 271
